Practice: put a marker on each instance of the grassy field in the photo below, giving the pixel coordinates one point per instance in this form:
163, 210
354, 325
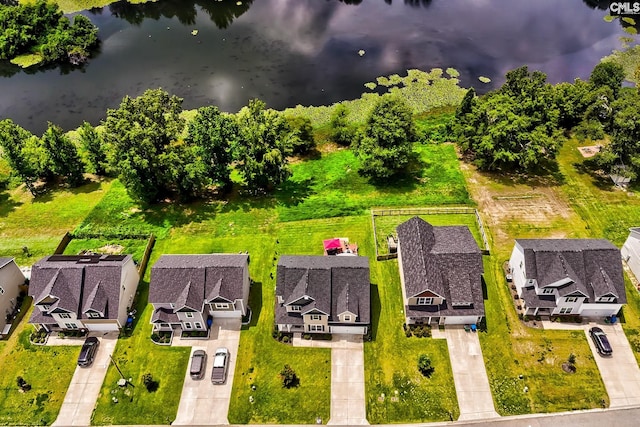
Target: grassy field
133, 247
39, 223
38, 365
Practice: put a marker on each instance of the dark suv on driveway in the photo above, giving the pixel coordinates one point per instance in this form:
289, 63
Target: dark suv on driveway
601, 341
88, 351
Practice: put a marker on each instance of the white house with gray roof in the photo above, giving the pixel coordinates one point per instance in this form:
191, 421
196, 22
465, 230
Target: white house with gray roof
11, 278
323, 294
441, 274
631, 251
92, 292
568, 276
187, 290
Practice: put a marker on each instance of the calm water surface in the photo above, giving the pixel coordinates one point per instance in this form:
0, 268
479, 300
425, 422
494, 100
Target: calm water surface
290, 52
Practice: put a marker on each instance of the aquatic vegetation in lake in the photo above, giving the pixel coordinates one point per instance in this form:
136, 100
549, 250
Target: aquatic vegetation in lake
629, 20
370, 85
484, 79
609, 18
27, 60
452, 72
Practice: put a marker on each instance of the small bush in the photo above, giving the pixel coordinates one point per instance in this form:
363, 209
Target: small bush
151, 384
285, 339
572, 359
424, 365
289, 377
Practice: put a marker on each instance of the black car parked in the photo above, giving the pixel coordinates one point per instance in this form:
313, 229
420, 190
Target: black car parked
88, 351
601, 341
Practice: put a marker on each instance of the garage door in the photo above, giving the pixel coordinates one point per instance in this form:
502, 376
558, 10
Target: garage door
353, 330
231, 314
460, 320
102, 326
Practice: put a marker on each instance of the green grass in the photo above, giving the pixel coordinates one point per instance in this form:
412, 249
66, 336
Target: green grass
331, 186
70, 6
133, 247
39, 223
38, 365
137, 355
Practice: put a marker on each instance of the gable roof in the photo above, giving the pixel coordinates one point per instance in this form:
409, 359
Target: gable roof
445, 261
190, 280
77, 283
333, 284
592, 267
4, 261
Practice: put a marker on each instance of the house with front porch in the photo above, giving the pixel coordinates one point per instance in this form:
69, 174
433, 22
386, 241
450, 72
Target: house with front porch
440, 273
323, 294
82, 292
189, 291
568, 276
11, 279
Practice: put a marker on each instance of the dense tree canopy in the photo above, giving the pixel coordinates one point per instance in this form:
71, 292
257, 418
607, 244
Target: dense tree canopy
385, 146
95, 148
608, 74
13, 140
40, 28
62, 156
342, 132
513, 128
143, 132
262, 148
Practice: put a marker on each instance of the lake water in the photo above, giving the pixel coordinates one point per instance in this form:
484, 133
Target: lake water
290, 52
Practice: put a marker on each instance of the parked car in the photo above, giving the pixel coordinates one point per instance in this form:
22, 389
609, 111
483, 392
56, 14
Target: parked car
601, 341
88, 351
220, 366
198, 364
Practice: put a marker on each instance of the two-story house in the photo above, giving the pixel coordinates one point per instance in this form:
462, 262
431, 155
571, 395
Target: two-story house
440, 273
190, 291
631, 251
323, 294
92, 292
10, 280
568, 276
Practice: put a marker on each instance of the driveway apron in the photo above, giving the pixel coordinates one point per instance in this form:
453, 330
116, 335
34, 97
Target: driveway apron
469, 374
202, 402
348, 405
85, 386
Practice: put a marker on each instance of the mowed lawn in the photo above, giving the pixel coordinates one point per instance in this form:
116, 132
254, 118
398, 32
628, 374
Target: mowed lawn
47, 369
39, 223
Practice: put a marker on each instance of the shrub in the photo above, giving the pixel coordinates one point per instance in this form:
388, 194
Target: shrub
285, 339
151, 384
572, 359
289, 377
22, 384
424, 365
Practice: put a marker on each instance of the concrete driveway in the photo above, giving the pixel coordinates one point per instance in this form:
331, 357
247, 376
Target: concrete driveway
619, 372
202, 402
348, 406
86, 383
469, 374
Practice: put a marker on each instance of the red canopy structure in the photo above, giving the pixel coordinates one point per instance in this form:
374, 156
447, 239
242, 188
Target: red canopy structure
332, 244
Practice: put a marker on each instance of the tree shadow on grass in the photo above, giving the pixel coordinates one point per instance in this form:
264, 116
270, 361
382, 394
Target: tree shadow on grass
376, 307
547, 175
255, 302
598, 178
404, 181
292, 193
7, 205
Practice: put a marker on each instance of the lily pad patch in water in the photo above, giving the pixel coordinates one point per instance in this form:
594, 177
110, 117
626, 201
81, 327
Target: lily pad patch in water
484, 79
194, 32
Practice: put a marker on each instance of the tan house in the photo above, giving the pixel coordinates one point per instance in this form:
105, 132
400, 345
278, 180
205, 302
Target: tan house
189, 291
323, 294
11, 278
91, 292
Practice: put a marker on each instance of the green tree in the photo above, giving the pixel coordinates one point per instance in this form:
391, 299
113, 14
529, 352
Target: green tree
213, 134
608, 74
93, 144
63, 155
424, 365
342, 132
300, 138
386, 144
262, 147
572, 101
513, 128
141, 132
13, 140
625, 135
289, 377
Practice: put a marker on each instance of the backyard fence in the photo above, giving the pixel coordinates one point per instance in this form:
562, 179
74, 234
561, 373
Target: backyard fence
450, 210
147, 253
66, 239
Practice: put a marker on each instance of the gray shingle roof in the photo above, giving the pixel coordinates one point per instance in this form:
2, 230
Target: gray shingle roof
591, 266
444, 260
4, 261
332, 283
189, 280
78, 283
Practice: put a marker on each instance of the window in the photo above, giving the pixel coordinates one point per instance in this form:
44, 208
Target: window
189, 315
45, 307
315, 317
425, 301
295, 308
221, 305
606, 299
71, 325
198, 325
571, 299
187, 325
566, 310
548, 290
65, 316
347, 318
93, 315
316, 328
